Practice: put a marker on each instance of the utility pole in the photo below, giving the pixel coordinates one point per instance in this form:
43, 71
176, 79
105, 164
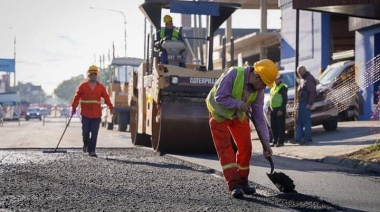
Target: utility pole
125, 26
14, 57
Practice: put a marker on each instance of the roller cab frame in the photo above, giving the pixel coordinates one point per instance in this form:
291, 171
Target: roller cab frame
168, 109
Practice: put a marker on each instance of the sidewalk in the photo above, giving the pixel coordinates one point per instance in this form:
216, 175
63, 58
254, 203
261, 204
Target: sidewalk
327, 146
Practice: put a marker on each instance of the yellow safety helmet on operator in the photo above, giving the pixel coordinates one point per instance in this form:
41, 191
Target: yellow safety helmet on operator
267, 71
167, 19
93, 69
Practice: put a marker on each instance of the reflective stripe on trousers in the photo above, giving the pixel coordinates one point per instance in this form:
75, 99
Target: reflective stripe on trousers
235, 166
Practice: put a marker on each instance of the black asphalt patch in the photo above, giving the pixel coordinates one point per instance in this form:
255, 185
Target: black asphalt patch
132, 179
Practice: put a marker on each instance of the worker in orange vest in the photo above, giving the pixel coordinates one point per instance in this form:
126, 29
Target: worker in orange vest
240, 90
89, 94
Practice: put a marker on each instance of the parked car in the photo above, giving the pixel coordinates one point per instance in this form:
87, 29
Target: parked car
33, 113
323, 111
337, 81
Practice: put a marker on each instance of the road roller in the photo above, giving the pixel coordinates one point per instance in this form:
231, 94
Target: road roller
168, 109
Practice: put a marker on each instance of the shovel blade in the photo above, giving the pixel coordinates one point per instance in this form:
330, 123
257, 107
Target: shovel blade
282, 181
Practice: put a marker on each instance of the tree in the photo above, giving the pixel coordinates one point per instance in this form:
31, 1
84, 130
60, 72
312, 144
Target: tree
66, 89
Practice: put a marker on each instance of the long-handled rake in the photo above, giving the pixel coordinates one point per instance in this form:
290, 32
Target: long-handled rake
56, 148
282, 181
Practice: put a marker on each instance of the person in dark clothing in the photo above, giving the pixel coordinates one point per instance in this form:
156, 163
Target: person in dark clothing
278, 101
169, 32
306, 95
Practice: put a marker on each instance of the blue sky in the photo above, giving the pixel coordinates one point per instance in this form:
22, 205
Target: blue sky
59, 39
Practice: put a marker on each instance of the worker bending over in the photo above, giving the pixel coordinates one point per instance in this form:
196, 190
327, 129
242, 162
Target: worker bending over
238, 91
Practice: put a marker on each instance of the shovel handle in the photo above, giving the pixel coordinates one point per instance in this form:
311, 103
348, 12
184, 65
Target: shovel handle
271, 165
250, 116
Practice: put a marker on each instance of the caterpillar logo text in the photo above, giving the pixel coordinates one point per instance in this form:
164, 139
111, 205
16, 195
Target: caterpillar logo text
197, 80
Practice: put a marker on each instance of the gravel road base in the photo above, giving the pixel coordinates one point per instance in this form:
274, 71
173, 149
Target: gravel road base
132, 179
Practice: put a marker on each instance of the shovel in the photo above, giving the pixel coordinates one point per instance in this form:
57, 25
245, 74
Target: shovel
282, 181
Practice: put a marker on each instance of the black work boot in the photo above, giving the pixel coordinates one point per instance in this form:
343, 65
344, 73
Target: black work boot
92, 154
249, 190
237, 193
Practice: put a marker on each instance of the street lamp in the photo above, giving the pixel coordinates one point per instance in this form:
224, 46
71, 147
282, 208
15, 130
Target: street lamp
125, 26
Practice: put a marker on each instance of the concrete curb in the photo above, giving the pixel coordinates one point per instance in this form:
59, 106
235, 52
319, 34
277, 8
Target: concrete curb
354, 164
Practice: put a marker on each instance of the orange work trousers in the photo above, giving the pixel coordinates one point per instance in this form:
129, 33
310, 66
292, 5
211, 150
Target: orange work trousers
235, 165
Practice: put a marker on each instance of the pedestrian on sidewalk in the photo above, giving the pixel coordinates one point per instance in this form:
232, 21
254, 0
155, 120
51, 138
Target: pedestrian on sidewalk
238, 91
277, 105
89, 94
306, 95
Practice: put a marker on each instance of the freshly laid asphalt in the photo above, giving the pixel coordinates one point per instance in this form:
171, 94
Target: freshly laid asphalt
128, 178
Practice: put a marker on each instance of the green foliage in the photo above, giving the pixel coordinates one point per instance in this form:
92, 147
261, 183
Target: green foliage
374, 147
66, 89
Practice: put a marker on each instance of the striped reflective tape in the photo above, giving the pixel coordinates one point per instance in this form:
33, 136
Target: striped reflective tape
89, 101
244, 167
229, 165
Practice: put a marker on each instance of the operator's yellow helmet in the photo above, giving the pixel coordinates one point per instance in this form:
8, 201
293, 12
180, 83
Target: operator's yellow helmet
93, 69
267, 71
167, 19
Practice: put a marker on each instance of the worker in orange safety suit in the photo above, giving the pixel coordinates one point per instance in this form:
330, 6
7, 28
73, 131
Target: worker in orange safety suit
238, 91
89, 94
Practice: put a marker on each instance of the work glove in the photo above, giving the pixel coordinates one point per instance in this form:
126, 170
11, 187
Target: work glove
73, 112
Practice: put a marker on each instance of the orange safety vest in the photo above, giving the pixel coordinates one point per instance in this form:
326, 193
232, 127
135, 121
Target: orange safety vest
90, 100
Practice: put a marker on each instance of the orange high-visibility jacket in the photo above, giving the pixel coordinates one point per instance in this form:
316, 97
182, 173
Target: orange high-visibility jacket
90, 100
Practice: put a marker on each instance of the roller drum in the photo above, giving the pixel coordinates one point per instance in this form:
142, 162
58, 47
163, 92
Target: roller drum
183, 127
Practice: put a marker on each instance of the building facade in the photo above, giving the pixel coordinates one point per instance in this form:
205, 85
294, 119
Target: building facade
313, 29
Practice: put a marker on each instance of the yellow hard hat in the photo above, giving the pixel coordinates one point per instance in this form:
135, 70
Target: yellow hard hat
267, 71
167, 18
93, 69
